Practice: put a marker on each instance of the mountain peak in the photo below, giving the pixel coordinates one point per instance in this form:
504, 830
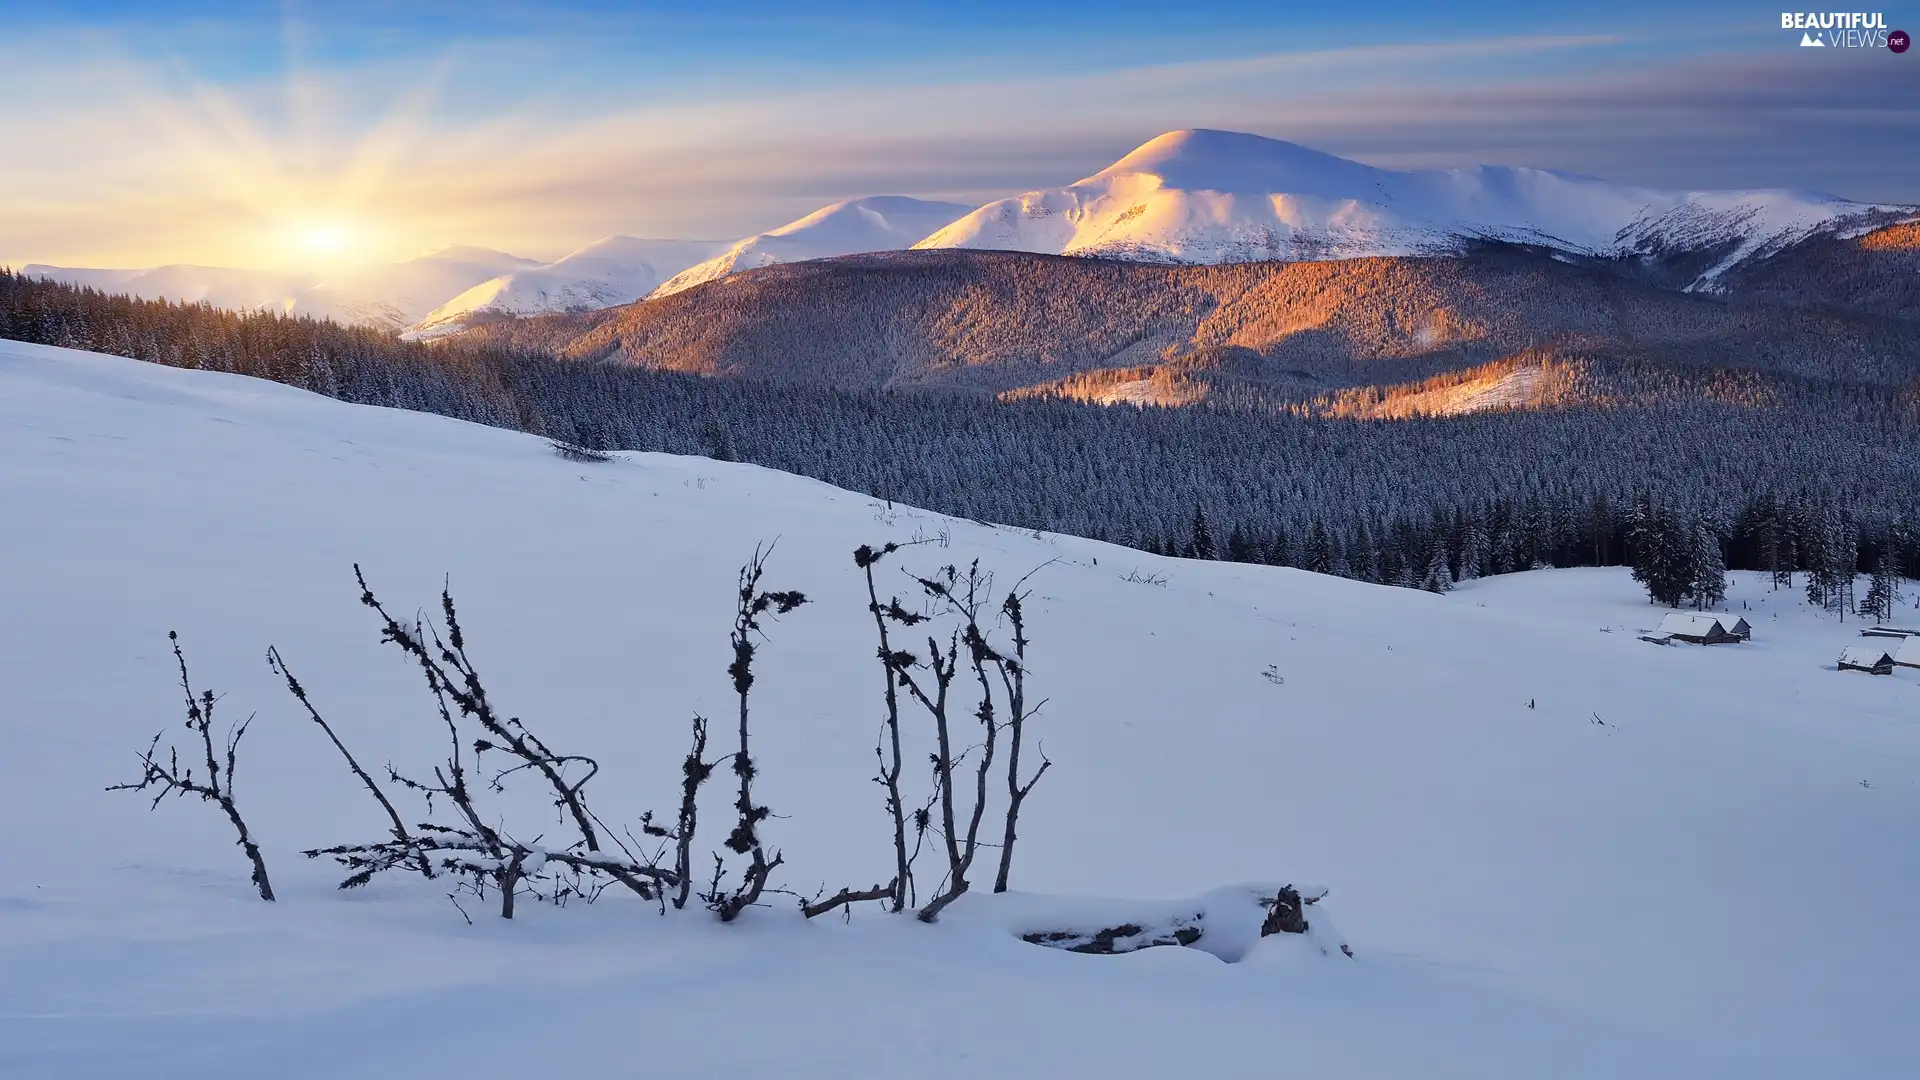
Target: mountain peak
1204, 159
472, 253
612, 270
1199, 195
847, 227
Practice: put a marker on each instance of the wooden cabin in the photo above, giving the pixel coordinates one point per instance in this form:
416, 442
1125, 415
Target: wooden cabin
1907, 654
1737, 626
1889, 631
1870, 657
1701, 628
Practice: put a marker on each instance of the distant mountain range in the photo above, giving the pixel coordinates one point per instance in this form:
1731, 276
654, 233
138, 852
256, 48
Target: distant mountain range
1223, 197
617, 270
1194, 197
392, 296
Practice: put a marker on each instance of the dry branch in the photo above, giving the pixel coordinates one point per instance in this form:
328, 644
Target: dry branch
174, 779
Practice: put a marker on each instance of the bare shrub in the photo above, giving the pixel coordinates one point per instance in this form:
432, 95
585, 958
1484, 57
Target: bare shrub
215, 783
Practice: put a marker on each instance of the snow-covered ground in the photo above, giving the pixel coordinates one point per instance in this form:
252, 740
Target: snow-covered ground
1556, 850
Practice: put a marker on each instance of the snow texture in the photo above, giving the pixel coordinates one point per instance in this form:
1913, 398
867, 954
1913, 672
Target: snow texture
1554, 850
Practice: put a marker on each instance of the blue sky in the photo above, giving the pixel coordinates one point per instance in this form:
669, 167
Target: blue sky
208, 131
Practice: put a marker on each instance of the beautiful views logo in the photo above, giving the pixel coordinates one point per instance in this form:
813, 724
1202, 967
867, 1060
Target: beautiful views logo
1845, 30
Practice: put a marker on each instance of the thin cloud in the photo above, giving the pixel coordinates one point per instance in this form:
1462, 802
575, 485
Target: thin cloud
141, 165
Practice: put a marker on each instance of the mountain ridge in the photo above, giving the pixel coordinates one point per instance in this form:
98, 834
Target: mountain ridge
1207, 196
390, 296
998, 322
615, 270
848, 227
1186, 197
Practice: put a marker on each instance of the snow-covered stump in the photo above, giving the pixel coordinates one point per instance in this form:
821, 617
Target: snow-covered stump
1226, 923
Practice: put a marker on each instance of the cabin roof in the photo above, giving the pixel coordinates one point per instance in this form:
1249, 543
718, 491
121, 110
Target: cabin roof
1865, 655
1691, 623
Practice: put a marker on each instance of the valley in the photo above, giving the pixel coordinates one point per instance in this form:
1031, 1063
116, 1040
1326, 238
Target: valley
1575, 894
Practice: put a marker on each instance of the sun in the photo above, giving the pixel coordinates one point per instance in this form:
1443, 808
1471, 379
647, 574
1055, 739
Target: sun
328, 241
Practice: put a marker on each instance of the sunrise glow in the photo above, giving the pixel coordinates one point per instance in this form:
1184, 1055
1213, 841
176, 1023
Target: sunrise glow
326, 241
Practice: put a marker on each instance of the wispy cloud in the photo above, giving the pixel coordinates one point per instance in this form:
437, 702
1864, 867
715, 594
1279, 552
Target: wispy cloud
144, 161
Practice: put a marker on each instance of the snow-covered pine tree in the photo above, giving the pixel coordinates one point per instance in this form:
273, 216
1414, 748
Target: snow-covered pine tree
1883, 588
1663, 554
1473, 548
1709, 586
1438, 578
1279, 550
1202, 541
1239, 548
1367, 560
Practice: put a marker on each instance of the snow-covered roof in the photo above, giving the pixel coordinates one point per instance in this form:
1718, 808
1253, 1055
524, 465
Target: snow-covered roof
1690, 623
1908, 652
1865, 655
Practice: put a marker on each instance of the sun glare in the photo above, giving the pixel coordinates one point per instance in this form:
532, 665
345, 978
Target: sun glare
327, 240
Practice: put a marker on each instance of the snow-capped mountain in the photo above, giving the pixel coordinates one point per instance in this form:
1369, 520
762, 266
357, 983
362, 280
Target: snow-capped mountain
617, 270
1201, 196
396, 295
1193, 196
389, 296
875, 223
221, 286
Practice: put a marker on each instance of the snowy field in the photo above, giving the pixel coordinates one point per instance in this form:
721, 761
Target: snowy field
1556, 851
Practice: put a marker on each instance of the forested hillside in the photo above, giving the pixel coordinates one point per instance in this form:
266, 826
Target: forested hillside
1001, 321
1877, 273
1420, 502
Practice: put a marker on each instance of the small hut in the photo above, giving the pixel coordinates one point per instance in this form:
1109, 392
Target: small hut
1871, 658
1698, 628
1737, 626
1889, 631
1908, 654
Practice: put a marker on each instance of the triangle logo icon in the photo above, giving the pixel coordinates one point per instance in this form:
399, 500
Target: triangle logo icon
1808, 41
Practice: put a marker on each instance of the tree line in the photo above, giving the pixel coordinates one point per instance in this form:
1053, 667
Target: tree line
1421, 502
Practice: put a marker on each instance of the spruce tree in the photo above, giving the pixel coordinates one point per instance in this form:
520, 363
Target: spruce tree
1239, 548
1319, 556
1883, 589
1473, 548
1663, 554
1202, 543
1438, 579
1709, 585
